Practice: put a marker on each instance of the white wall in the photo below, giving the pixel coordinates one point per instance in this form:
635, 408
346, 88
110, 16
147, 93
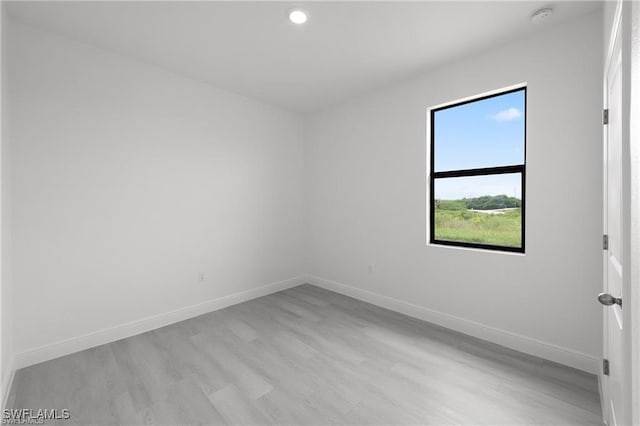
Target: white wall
129, 180
368, 205
6, 306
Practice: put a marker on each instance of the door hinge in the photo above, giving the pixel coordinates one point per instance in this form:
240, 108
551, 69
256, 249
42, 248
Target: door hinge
605, 367
605, 116
605, 242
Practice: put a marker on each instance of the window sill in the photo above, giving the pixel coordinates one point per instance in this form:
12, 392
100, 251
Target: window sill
476, 249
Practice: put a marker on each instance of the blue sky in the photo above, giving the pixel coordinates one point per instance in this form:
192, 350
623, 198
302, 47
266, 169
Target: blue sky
486, 133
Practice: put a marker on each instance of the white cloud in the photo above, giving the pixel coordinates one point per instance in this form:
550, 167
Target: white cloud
507, 114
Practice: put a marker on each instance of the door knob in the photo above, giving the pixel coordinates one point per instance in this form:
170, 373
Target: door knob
607, 300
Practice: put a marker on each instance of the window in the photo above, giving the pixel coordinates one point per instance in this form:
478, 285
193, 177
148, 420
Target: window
477, 172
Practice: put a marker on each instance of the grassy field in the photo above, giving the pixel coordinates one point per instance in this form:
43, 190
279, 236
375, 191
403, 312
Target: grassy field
474, 227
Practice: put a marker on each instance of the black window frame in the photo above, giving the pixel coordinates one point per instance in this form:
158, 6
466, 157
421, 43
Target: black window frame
485, 171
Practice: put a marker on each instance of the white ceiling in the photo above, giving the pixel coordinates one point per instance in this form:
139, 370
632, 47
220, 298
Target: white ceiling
344, 50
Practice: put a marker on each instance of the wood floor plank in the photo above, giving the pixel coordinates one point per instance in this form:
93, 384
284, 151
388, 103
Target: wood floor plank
307, 356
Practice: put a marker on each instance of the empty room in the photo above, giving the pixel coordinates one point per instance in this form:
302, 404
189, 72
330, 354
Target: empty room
320, 212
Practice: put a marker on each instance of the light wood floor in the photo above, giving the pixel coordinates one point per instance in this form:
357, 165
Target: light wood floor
307, 356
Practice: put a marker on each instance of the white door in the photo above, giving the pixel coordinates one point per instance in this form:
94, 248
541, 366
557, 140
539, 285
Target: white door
612, 297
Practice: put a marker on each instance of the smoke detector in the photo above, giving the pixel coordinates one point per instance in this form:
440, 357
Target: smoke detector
541, 15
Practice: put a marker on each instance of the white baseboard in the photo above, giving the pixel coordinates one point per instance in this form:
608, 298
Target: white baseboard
501, 337
528, 345
7, 383
100, 337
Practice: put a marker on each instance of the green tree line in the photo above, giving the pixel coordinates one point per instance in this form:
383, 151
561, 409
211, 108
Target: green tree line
485, 202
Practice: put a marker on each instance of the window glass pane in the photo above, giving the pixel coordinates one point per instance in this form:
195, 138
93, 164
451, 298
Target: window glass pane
485, 133
479, 209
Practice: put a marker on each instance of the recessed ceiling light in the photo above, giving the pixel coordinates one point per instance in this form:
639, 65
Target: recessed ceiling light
298, 16
541, 15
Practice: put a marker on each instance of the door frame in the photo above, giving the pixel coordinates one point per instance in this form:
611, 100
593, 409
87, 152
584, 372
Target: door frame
631, 19
629, 31
603, 380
